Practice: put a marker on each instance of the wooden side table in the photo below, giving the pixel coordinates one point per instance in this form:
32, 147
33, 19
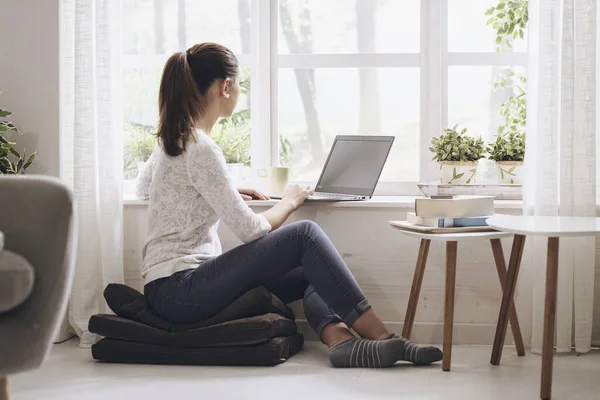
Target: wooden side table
553, 228
451, 240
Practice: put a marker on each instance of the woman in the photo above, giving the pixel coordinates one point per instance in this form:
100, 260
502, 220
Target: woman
187, 278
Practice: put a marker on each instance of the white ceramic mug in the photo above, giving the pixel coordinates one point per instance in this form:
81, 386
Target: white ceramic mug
277, 176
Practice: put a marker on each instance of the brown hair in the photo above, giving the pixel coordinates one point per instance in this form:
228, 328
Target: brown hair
186, 78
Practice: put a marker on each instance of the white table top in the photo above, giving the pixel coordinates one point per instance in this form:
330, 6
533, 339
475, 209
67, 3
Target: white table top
452, 237
546, 226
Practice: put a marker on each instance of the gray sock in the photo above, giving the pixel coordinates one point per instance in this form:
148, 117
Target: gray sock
364, 353
419, 355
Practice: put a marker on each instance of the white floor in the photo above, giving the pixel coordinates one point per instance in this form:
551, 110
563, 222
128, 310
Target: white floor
71, 374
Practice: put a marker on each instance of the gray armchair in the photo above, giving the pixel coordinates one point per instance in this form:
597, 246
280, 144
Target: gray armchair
36, 269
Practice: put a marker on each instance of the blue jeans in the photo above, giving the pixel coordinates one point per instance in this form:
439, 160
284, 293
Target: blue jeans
294, 262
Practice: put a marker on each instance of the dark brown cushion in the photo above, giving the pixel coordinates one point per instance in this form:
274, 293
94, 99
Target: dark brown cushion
271, 353
128, 303
245, 331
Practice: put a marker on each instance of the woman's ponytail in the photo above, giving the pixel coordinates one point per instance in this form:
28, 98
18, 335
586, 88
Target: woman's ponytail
179, 104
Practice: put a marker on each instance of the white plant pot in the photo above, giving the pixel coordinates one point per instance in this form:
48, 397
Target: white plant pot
510, 172
458, 173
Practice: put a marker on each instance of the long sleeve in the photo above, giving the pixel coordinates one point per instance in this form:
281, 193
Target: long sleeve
144, 179
208, 174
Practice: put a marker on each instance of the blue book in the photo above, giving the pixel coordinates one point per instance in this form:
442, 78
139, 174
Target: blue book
443, 222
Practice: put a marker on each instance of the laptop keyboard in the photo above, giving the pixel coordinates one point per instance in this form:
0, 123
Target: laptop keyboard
320, 194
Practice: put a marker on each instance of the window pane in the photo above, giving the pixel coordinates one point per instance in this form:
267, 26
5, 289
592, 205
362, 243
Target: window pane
315, 105
167, 26
475, 104
349, 26
467, 28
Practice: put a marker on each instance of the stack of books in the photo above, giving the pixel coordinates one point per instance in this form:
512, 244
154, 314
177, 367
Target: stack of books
450, 214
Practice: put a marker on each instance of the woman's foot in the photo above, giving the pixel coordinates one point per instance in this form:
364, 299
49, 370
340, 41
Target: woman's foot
418, 355
364, 353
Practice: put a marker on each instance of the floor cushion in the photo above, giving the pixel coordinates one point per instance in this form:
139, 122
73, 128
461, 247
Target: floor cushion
128, 303
271, 353
245, 331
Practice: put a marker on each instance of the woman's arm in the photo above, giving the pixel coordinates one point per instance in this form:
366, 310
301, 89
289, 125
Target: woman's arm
207, 172
144, 179
293, 197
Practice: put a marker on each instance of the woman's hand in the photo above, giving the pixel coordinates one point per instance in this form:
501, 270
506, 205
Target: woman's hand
252, 194
293, 197
296, 194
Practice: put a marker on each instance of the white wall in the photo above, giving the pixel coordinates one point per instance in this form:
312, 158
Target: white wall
29, 76
29, 82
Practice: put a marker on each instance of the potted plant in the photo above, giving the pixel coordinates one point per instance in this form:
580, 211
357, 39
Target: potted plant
11, 161
140, 141
458, 155
508, 151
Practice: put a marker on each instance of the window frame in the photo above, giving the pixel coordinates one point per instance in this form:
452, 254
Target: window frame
433, 61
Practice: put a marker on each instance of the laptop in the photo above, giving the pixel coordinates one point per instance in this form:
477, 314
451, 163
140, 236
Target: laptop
352, 168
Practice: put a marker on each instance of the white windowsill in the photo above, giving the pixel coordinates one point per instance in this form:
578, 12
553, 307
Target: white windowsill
406, 202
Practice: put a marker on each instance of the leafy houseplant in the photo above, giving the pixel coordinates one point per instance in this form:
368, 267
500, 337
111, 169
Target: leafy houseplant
509, 19
11, 161
509, 152
233, 137
140, 141
458, 155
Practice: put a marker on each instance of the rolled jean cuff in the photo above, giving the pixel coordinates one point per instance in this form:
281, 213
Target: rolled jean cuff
329, 319
356, 312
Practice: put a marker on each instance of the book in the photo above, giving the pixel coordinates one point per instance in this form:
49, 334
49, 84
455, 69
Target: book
458, 207
407, 226
442, 222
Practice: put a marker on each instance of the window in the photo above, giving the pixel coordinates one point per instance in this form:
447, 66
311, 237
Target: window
321, 68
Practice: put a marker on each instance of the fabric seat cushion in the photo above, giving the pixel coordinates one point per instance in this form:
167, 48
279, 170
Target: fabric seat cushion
245, 331
17, 278
128, 303
273, 352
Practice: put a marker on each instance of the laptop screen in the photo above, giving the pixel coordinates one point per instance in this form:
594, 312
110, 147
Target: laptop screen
354, 164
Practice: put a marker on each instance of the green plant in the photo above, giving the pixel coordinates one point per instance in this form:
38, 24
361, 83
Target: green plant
11, 161
514, 109
509, 19
140, 140
285, 151
455, 145
509, 146
232, 135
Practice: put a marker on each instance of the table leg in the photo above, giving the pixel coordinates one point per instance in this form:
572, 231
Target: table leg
549, 318
507, 297
415, 290
451, 254
514, 320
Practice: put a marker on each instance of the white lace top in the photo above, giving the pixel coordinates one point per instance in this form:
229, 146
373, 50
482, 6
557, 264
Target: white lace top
188, 195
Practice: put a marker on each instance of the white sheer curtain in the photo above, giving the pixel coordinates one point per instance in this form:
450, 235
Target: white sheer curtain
561, 157
91, 149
